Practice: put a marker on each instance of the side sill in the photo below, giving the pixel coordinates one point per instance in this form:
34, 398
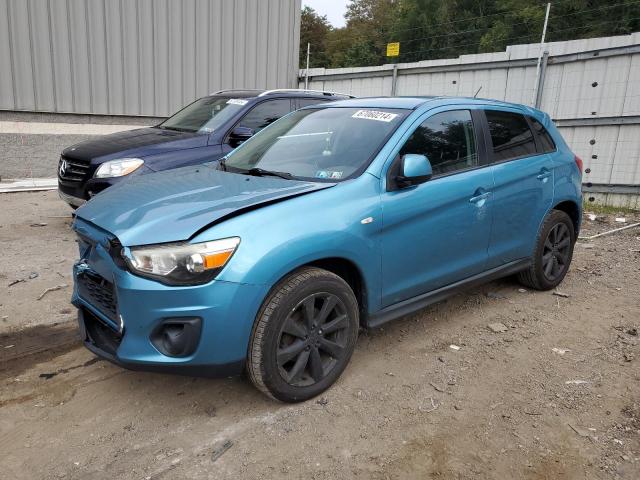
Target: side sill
411, 305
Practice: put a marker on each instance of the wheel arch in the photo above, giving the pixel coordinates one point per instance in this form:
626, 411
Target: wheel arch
350, 273
341, 266
572, 209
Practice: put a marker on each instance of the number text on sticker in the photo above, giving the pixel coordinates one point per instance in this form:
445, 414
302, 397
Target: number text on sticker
375, 115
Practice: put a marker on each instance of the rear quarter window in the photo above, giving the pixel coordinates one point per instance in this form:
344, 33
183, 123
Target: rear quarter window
545, 142
510, 135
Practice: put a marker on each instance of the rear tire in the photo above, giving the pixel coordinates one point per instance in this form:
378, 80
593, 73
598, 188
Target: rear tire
553, 253
304, 335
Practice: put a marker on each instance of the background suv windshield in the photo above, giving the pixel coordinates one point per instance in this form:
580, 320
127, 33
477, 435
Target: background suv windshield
320, 144
204, 115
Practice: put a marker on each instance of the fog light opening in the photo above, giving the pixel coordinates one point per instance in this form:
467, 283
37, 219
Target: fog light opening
177, 337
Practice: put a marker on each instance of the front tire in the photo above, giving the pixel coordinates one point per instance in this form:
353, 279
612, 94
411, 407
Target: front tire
304, 335
553, 253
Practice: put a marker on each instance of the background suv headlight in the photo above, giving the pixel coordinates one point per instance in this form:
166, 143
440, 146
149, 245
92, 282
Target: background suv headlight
118, 168
181, 263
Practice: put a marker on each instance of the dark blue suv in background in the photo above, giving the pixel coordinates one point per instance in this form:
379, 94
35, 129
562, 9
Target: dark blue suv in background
205, 130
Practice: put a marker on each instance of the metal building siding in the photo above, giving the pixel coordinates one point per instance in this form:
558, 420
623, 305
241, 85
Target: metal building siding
143, 57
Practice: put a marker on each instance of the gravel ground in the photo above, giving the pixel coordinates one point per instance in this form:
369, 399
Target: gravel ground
555, 395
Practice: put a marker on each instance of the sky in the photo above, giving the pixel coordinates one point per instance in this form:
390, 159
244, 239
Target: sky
333, 9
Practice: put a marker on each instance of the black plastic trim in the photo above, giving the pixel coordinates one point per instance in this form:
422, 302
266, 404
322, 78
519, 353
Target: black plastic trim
191, 329
411, 305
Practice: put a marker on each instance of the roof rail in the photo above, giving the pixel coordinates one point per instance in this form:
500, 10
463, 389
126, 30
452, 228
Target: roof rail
300, 90
226, 90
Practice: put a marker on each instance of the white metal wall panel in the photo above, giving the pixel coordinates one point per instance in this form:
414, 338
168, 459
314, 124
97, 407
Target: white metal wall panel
142, 57
21, 55
60, 58
7, 97
632, 96
626, 163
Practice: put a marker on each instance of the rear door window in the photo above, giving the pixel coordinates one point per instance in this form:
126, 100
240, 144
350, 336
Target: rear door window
266, 113
510, 135
545, 142
448, 141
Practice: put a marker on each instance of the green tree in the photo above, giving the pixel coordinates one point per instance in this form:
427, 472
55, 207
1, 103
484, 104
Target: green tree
313, 29
428, 29
361, 42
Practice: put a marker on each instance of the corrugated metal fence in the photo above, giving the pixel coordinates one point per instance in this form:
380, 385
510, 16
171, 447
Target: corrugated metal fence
143, 57
591, 88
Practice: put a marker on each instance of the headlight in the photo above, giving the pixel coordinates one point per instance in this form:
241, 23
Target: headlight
181, 263
118, 168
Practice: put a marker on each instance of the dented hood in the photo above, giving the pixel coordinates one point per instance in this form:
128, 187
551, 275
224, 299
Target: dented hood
175, 204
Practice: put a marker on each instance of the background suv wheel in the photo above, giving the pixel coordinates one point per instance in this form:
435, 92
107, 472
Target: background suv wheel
552, 254
304, 335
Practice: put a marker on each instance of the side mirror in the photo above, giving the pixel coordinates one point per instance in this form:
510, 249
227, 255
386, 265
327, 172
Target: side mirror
414, 170
240, 135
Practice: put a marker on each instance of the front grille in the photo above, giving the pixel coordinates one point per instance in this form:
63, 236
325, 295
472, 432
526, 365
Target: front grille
99, 293
72, 169
99, 334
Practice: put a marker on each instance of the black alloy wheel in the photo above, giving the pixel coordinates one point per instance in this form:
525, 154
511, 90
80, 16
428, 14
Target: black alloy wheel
313, 339
556, 252
304, 335
552, 254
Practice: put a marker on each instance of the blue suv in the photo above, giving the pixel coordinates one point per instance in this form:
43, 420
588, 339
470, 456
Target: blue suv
335, 217
205, 130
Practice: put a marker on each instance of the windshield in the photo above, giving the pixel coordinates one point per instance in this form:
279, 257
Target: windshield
330, 144
204, 115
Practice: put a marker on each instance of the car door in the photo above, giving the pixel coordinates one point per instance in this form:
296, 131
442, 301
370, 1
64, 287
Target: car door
260, 116
523, 190
437, 233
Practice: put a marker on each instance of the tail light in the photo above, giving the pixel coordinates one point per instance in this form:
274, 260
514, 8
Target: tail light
579, 164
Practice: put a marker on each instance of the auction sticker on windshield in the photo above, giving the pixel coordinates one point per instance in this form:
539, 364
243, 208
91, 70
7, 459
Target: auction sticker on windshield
237, 101
375, 115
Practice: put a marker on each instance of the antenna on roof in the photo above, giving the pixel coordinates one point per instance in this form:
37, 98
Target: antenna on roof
477, 92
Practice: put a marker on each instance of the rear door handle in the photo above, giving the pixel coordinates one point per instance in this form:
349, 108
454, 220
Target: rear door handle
480, 197
544, 173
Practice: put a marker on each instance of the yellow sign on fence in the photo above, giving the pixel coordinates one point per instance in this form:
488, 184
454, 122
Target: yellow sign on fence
393, 49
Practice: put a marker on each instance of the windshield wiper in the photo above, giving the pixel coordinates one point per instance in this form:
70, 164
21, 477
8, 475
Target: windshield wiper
261, 172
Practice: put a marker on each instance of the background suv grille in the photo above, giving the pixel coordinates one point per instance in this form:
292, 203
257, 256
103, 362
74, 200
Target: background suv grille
99, 293
74, 170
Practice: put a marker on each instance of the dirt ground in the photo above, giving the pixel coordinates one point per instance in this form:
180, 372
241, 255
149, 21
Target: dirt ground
555, 396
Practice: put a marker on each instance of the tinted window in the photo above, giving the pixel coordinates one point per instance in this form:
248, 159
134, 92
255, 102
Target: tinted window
447, 140
545, 142
205, 115
305, 102
266, 113
510, 135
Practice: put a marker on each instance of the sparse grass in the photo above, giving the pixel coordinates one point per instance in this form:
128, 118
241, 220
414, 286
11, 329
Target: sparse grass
606, 210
